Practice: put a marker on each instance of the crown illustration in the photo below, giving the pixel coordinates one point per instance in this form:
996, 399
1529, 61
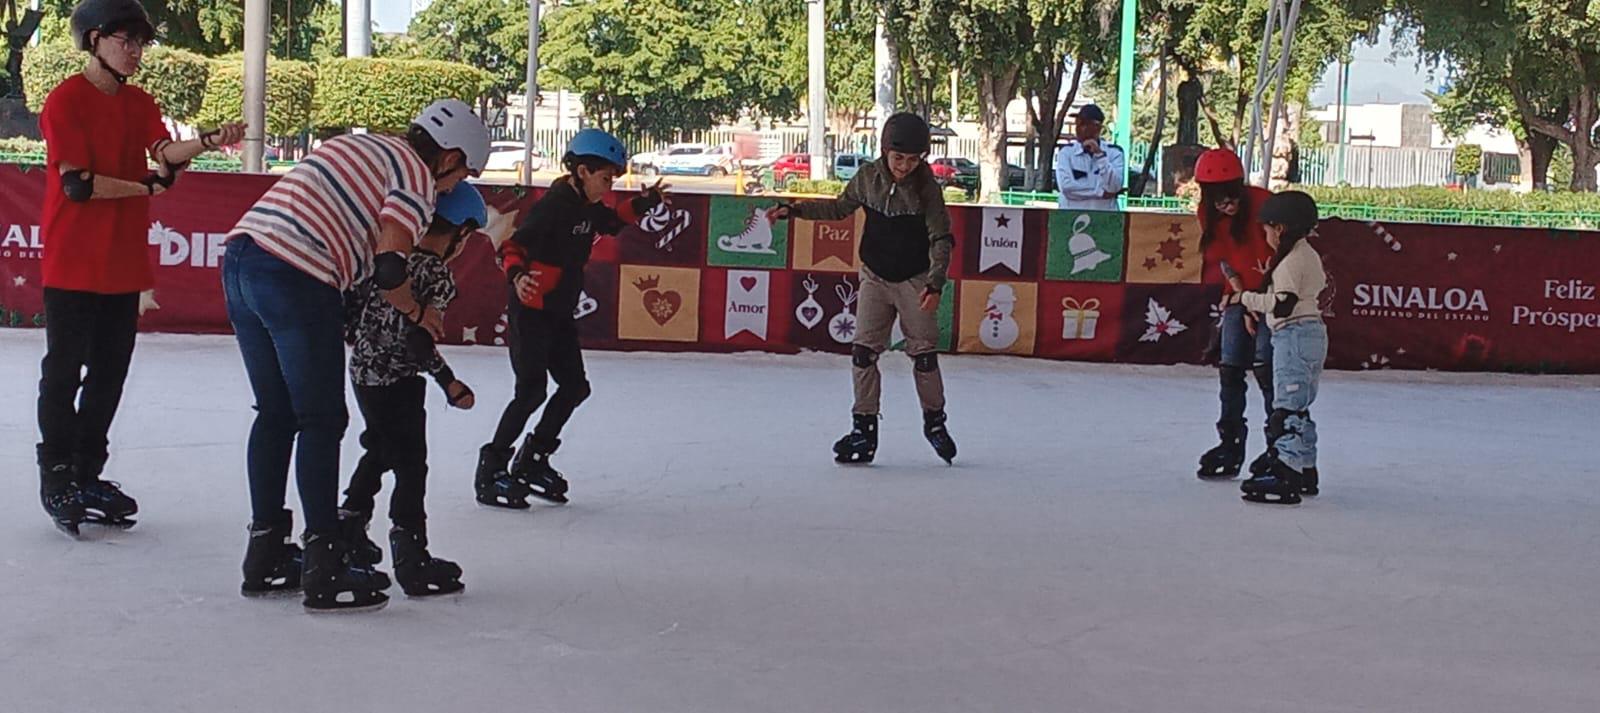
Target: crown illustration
647, 283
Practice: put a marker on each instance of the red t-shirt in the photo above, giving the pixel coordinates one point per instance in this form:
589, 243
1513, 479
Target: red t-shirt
1250, 256
98, 245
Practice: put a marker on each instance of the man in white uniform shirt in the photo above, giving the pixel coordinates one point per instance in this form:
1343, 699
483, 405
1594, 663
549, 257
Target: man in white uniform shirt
1089, 172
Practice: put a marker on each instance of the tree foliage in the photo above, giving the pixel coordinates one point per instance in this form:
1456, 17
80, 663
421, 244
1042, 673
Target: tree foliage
175, 78
491, 35
291, 89
386, 94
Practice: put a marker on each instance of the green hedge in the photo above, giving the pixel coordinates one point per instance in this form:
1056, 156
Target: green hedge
1429, 198
829, 187
386, 94
291, 91
176, 78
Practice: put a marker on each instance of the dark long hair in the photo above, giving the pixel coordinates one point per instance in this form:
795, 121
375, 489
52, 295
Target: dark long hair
1287, 241
1210, 194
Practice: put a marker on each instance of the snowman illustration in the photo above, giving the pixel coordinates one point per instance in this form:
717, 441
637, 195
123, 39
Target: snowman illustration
1086, 255
998, 330
756, 238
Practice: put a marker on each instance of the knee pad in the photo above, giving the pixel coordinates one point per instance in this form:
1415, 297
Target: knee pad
862, 357
926, 362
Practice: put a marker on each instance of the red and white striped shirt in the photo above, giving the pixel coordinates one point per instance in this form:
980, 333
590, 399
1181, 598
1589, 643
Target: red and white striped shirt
324, 216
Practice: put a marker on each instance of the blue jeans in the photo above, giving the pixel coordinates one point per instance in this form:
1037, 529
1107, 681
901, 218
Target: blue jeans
290, 329
1299, 350
1241, 352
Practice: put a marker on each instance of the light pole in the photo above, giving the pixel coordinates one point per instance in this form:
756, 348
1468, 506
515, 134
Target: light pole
817, 102
257, 17
531, 99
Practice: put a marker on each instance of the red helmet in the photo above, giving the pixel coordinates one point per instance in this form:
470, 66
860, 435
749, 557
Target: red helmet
1218, 166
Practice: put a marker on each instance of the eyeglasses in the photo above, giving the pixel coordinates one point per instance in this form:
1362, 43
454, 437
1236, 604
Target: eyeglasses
130, 44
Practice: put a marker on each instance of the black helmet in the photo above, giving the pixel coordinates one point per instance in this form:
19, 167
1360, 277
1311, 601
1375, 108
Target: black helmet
1296, 211
108, 16
905, 133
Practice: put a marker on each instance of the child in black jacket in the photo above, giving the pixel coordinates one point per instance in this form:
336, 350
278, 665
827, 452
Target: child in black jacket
544, 262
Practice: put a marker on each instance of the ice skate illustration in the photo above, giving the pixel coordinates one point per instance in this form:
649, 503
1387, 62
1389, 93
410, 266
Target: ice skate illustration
756, 238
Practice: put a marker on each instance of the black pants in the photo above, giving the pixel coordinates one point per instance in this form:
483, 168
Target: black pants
396, 440
543, 347
89, 344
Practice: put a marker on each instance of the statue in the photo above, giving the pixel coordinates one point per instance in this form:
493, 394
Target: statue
19, 29
1189, 95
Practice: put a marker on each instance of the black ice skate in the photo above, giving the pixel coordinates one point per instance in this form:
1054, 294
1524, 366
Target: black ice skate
332, 584
353, 526
494, 484
532, 468
62, 499
421, 574
933, 427
1223, 461
272, 562
860, 445
1308, 482
104, 503
1279, 486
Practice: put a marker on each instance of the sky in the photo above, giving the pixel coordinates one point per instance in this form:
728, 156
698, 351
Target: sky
1375, 74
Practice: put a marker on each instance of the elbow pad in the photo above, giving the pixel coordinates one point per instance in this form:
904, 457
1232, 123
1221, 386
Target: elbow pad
1285, 304
78, 186
390, 270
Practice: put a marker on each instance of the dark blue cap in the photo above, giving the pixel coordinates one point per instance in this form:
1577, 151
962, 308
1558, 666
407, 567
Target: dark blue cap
1090, 112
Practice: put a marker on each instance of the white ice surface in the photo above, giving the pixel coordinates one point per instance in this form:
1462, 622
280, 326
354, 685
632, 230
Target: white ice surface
714, 559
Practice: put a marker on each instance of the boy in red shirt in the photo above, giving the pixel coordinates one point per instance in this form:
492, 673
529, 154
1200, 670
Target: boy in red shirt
98, 134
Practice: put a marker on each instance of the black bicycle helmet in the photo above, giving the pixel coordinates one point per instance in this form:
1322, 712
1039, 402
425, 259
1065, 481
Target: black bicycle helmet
906, 133
108, 16
1296, 211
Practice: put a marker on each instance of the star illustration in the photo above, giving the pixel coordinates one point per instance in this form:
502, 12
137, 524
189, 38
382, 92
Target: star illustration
469, 335
1497, 248
20, 281
501, 226
1171, 250
1452, 256
1176, 229
1002, 221
1150, 263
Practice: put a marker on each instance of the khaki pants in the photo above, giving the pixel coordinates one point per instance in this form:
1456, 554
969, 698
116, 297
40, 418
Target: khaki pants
880, 303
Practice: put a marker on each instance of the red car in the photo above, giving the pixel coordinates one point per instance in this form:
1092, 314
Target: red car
790, 168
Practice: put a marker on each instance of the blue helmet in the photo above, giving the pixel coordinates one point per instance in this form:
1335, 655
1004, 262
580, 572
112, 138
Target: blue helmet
598, 144
461, 204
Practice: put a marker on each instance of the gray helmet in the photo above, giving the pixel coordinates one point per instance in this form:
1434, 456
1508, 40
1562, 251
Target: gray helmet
108, 16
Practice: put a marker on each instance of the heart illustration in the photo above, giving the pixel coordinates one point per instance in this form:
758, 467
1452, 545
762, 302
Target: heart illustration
662, 306
748, 283
810, 313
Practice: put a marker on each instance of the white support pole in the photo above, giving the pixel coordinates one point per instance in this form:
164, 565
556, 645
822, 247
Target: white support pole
1261, 85
257, 18
1281, 73
530, 99
817, 101
358, 28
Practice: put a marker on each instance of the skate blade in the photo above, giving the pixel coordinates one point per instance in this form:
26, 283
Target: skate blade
1208, 475
1268, 499
492, 504
284, 592
552, 499
112, 523
70, 529
375, 606
453, 590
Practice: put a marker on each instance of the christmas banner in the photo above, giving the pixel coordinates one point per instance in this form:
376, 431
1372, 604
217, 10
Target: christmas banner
1085, 246
1056, 284
741, 235
1163, 249
828, 246
998, 317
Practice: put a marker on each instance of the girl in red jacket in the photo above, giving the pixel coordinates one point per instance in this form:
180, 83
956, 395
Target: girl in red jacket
1236, 256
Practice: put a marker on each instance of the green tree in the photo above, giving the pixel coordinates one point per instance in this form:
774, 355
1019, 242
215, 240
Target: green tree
1541, 54
491, 35
645, 70
213, 27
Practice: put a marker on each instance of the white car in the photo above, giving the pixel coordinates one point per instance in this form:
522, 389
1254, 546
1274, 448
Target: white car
649, 162
507, 156
703, 161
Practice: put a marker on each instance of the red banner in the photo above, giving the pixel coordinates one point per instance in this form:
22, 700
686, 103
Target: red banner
707, 274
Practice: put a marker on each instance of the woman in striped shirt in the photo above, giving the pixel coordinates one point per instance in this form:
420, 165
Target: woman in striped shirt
351, 211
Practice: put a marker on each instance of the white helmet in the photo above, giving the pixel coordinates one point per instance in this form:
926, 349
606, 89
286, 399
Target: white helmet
452, 125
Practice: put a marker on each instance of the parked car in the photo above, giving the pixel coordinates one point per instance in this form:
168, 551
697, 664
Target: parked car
790, 168
1015, 176
507, 156
955, 173
846, 165
649, 162
702, 161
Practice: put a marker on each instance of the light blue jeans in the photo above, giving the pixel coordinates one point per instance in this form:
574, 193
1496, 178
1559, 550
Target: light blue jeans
1298, 352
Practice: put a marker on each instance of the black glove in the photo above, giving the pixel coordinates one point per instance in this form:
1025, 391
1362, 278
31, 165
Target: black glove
419, 344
